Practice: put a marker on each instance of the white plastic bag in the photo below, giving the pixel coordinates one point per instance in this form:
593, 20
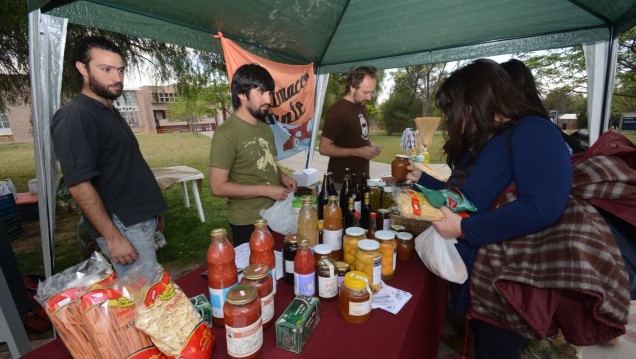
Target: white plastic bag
280, 217
6, 187
440, 256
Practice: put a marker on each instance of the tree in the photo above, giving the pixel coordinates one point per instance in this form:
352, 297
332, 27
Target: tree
162, 61
399, 110
423, 81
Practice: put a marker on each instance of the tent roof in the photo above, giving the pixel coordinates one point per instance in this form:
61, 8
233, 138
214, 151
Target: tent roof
338, 34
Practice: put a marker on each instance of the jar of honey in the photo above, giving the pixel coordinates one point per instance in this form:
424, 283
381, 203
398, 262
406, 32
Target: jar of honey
322, 251
259, 276
243, 324
405, 246
398, 167
388, 248
369, 261
355, 298
352, 236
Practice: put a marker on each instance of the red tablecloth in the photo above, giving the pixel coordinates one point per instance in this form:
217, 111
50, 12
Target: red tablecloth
413, 333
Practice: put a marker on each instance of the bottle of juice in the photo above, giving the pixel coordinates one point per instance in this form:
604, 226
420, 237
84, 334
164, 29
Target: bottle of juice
332, 228
304, 271
222, 273
262, 248
308, 222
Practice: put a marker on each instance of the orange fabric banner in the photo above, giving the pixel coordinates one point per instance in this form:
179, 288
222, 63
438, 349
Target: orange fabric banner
294, 97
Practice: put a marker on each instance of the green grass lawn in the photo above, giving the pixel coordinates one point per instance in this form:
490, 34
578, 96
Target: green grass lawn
187, 237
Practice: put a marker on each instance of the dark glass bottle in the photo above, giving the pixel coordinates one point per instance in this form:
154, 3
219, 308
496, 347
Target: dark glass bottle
363, 186
372, 225
344, 199
353, 192
365, 211
323, 196
332, 186
349, 214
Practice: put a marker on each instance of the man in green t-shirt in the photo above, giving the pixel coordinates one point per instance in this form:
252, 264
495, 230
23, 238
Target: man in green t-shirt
243, 164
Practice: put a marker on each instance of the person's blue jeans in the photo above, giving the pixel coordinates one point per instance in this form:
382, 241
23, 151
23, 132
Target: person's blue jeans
492, 342
142, 237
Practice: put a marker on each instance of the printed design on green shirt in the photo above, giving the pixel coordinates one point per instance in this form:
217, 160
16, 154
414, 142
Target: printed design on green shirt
263, 152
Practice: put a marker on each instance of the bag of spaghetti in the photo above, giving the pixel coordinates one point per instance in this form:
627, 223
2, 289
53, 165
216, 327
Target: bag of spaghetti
166, 314
413, 204
109, 317
60, 296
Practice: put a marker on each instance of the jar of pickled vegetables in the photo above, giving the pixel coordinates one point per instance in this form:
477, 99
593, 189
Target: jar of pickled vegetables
387, 196
259, 276
243, 324
388, 249
355, 298
352, 236
369, 261
405, 246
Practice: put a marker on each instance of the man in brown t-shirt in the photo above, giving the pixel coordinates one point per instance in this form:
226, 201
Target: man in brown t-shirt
345, 136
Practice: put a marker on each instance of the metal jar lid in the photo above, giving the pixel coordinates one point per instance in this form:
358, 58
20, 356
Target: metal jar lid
256, 271
241, 294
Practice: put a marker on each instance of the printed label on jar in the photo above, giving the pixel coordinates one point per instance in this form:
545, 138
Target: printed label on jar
359, 308
327, 286
304, 284
243, 342
267, 307
217, 299
394, 257
289, 267
386, 224
333, 239
273, 274
377, 271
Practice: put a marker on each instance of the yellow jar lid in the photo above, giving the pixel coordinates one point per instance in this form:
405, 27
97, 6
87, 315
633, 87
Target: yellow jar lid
356, 280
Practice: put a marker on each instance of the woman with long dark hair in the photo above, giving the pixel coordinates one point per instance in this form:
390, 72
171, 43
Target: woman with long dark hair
494, 137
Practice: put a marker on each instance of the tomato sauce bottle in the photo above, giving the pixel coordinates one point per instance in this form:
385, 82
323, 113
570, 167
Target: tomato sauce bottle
222, 273
262, 248
304, 270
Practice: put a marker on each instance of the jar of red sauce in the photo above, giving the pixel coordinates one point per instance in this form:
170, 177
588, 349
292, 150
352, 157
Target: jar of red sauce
262, 247
259, 276
243, 324
222, 272
398, 167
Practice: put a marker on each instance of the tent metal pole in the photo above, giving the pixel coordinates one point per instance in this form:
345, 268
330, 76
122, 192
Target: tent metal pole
47, 37
321, 90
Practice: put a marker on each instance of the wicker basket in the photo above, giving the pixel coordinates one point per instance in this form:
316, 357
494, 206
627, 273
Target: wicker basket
412, 225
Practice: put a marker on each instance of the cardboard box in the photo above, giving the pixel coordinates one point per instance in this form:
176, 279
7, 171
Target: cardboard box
298, 321
202, 304
306, 177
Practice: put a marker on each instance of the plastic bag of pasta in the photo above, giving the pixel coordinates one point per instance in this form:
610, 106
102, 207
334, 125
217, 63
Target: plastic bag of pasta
109, 318
413, 204
60, 296
166, 314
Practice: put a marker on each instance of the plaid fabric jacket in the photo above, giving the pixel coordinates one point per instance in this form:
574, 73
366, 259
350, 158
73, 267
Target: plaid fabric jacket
570, 276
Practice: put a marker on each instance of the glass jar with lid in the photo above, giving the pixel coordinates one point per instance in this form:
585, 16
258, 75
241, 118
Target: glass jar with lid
369, 261
387, 197
399, 167
388, 248
405, 246
342, 268
352, 236
355, 298
259, 276
322, 251
290, 246
327, 278
383, 220
243, 324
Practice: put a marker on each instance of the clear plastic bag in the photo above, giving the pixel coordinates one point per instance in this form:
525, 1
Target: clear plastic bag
280, 217
440, 256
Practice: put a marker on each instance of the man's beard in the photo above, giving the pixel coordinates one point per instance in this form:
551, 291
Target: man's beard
258, 113
103, 91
